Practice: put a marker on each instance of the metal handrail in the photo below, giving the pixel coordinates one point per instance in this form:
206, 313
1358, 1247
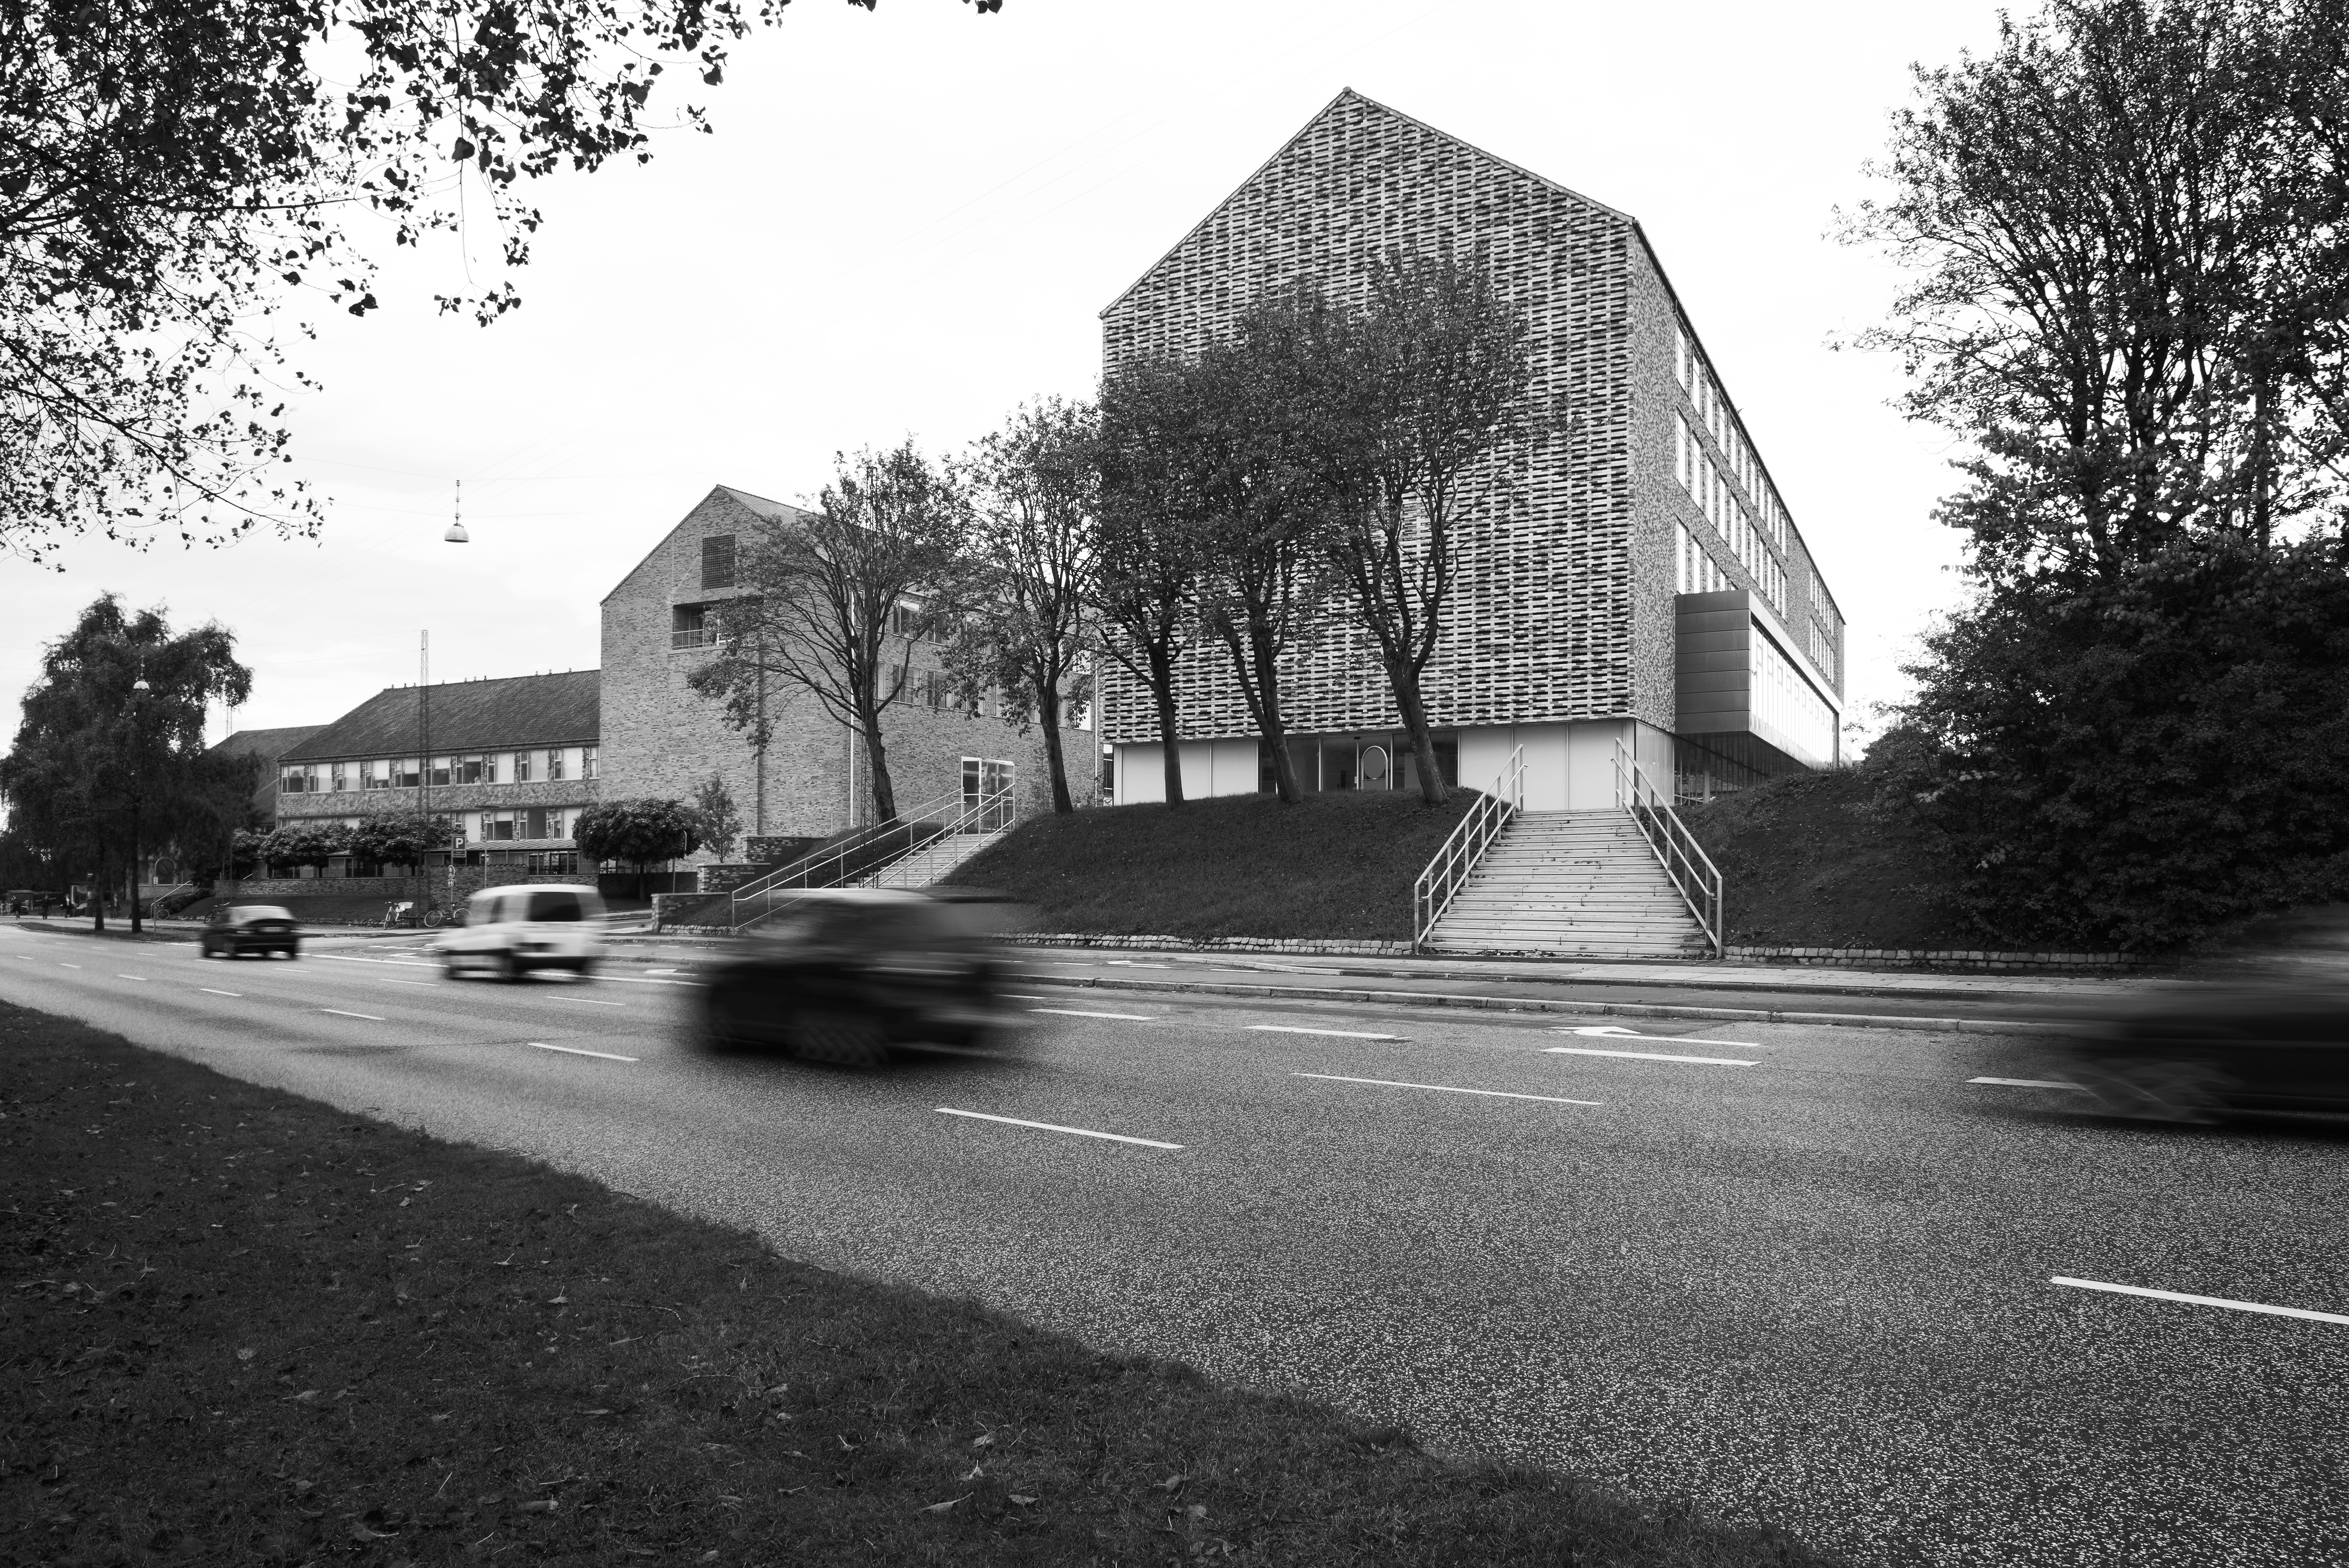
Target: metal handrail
826, 868
1445, 875
984, 814
1691, 870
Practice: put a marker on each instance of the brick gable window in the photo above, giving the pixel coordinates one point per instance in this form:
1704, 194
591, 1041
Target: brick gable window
689, 626
718, 560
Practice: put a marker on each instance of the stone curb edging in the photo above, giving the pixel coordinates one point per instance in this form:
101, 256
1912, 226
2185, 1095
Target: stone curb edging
1822, 958
1544, 1005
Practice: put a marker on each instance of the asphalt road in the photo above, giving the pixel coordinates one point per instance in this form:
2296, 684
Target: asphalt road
1785, 1273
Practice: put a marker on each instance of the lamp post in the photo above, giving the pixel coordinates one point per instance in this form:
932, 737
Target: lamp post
139, 691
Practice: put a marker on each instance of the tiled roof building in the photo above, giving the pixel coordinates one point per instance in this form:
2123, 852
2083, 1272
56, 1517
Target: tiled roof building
1644, 581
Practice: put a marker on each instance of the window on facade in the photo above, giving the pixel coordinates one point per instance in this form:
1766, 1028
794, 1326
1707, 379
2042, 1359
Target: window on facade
476, 770
444, 772
690, 626
497, 825
587, 762
906, 619
406, 773
718, 560
936, 690
338, 778
554, 761
297, 780
521, 761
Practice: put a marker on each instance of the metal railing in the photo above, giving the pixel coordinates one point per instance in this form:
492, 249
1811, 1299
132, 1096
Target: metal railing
980, 814
858, 857
1445, 875
1691, 870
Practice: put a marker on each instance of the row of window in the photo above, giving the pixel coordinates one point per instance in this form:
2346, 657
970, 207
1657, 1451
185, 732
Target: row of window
1693, 468
1784, 701
495, 827
409, 773
1712, 412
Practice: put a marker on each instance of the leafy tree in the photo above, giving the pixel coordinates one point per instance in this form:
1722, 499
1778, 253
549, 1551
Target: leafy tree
1424, 386
637, 830
169, 173
300, 843
2124, 227
389, 838
1149, 544
716, 821
100, 768
838, 600
1024, 632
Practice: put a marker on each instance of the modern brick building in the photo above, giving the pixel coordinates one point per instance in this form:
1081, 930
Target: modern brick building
1644, 583
661, 738
513, 762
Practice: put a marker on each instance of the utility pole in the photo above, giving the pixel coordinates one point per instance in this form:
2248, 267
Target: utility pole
423, 739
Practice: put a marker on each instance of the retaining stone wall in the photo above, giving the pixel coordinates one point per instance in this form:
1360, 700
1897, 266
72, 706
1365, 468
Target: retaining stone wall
1842, 957
1219, 944
432, 885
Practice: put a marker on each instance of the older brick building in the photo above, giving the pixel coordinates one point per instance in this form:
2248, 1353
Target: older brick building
661, 739
1644, 581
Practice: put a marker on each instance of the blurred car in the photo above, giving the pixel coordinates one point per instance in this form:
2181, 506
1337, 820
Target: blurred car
2196, 1053
237, 929
847, 974
510, 931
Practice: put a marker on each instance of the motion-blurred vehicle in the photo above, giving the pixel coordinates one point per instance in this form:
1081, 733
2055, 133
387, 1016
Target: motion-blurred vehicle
847, 974
237, 929
2264, 1029
510, 931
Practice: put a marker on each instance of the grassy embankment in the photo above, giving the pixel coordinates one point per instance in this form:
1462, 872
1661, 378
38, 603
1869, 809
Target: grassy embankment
1337, 866
1809, 861
242, 1328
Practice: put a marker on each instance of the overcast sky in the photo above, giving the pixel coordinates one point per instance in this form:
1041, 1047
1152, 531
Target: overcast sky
908, 222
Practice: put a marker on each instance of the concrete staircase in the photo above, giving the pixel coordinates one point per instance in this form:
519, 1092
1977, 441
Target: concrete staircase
933, 861
1571, 885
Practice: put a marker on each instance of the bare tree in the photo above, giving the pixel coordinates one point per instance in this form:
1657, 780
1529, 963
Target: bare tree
1147, 540
1415, 399
837, 601
1025, 631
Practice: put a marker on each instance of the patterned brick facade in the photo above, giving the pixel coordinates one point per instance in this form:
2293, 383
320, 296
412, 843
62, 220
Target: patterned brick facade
662, 738
1564, 605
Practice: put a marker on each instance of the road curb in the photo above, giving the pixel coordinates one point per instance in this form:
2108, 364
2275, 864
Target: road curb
1547, 1005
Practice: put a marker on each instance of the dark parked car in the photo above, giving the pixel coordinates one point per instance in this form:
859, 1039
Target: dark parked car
237, 929
844, 975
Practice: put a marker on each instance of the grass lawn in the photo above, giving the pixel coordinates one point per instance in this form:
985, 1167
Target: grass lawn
1339, 865
1808, 861
237, 1326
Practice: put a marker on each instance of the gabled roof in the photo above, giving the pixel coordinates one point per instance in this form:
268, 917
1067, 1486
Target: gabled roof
466, 716
269, 744
756, 505
1346, 95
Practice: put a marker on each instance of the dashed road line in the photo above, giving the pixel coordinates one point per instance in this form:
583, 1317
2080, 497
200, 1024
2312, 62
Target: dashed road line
63, 965
139, 977
1335, 1034
210, 992
1055, 1127
1447, 1088
390, 980
588, 1001
1617, 1032
338, 1013
1649, 1056
2025, 1083
575, 1051
2230, 1304
1073, 1013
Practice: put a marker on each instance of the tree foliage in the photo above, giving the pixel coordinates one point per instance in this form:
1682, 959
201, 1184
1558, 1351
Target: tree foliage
2128, 229
100, 769
637, 830
835, 603
387, 838
304, 843
1024, 630
171, 173
716, 821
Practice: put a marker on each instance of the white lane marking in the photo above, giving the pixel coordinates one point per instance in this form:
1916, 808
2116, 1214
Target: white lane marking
1054, 1127
389, 981
63, 965
590, 1001
1617, 1032
210, 992
640, 980
2202, 1300
663, 971
2025, 1083
1447, 1088
1136, 964
1648, 1057
1023, 996
575, 1051
120, 976
338, 1013
1337, 1034
1073, 1013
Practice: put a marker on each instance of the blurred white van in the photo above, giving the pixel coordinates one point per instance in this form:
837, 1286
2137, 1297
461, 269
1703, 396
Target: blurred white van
511, 931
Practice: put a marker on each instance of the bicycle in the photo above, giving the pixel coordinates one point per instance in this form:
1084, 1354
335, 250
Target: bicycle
403, 914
